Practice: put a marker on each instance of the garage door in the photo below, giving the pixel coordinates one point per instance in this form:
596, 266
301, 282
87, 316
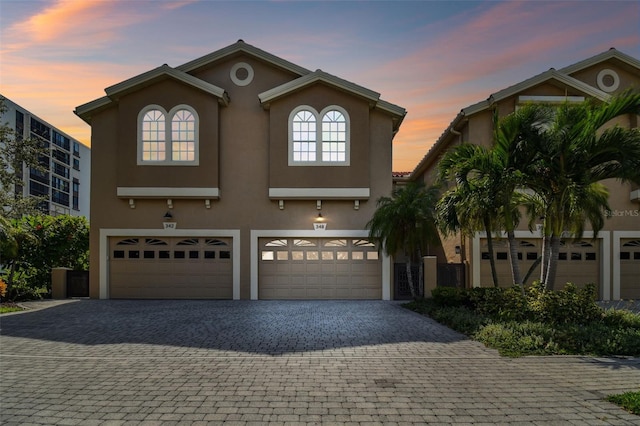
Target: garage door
170, 268
316, 268
578, 262
630, 269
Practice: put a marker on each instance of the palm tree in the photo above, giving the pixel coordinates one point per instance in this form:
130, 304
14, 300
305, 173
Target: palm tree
469, 206
405, 223
573, 156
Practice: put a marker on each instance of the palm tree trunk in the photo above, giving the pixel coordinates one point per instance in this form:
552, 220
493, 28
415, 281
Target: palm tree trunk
553, 262
492, 260
546, 252
513, 254
410, 278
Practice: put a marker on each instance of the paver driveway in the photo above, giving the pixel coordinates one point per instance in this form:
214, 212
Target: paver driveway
162, 362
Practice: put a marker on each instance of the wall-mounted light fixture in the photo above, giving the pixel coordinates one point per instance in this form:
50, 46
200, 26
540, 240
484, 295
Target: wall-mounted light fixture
319, 223
319, 218
457, 249
170, 203
168, 216
319, 204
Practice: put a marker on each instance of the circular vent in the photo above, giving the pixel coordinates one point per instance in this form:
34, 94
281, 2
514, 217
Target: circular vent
241, 74
608, 80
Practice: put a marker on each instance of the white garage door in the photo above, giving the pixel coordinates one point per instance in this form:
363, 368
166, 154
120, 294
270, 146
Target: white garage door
317, 268
170, 268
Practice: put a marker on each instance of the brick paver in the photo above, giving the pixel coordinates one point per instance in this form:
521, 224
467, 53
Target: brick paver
256, 362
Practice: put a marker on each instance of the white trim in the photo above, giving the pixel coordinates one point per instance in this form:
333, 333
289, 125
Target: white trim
358, 233
168, 136
319, 139
105, 234
617, 239
611, 73
319, 193
161, 192
238, 81
605, 256
551, 99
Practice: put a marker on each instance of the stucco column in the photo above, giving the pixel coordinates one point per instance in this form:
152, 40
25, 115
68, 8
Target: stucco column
430, 264
59, 283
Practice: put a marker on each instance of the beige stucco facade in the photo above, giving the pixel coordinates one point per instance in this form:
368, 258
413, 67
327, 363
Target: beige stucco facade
610, 259
242, 188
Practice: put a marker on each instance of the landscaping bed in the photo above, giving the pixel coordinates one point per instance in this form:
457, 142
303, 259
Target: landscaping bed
538, 322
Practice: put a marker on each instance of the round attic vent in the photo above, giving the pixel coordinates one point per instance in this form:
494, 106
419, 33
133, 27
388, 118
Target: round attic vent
608, 80
241, 74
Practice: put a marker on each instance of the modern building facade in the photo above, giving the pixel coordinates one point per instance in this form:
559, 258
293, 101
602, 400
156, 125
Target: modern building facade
612, 260
238, 175
65, 182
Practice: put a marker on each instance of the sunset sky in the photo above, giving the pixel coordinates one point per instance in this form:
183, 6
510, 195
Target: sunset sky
431, 57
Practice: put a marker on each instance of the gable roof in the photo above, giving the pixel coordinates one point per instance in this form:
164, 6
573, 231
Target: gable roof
319, 76
612, 53
132, 84
241, 46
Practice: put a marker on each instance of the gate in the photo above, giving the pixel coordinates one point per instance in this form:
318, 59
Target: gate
401, 282
451, 275
77, 283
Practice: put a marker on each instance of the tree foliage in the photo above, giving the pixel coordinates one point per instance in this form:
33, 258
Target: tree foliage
36, 244
405, 223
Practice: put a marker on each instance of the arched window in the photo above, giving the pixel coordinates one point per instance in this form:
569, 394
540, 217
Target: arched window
334, 137
168, 138
304, 136
183, 136
153, 136
313, 145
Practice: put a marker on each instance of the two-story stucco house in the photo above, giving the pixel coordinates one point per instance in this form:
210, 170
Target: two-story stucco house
238, 175
612, 259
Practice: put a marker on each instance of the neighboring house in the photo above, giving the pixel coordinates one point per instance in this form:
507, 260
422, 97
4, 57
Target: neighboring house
66, 181
612, 260
238, 175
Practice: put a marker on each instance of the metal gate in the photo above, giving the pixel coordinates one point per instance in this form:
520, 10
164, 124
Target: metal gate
451, 275
77, 283
401, 282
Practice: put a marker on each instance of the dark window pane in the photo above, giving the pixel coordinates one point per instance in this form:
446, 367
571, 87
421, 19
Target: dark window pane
178, 254
164, 254
485, 255
590, 256
636, 255
209, 254
519, 255
576, 256
194, 254
134, 254
225, 255
562, 256
532, 255
625, 255
118, 254
501, 255
149, 254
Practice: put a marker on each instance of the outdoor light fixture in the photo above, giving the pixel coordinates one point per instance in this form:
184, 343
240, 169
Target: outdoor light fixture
168, 216
319, 218
457, 249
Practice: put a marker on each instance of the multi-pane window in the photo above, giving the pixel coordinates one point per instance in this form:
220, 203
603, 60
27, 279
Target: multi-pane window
183, 136
153, 132
324, 144
168, 138
334, 137
304, 136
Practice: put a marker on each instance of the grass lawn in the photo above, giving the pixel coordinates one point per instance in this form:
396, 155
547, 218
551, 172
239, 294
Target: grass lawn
9, 307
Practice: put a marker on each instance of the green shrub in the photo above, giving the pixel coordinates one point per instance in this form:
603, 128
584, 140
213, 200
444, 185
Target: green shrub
620, 318
520, 338
570, 305
448, 296
630, 401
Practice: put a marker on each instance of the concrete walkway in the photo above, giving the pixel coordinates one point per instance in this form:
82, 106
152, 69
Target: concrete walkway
255, 362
